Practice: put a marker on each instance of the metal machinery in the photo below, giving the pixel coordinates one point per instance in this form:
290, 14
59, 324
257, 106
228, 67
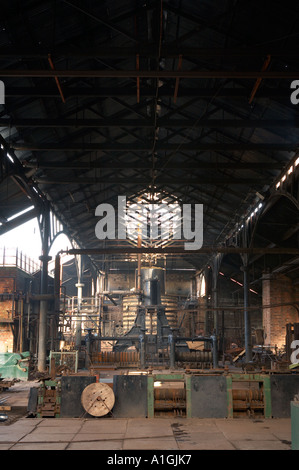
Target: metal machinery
215, 394
14, 365
151, 325
151, 337
49, 399
152, 328
152, 282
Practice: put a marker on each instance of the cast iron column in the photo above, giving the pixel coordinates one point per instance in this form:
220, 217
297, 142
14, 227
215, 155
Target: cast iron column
79, 285
45, 258
247, 325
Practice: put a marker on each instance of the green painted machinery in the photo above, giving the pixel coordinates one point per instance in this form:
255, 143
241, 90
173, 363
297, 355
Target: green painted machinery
14, 365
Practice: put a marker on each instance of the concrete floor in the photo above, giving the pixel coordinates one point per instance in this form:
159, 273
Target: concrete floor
160, 434
146, 434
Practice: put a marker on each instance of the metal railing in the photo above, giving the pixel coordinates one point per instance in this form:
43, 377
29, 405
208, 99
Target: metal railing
14, 257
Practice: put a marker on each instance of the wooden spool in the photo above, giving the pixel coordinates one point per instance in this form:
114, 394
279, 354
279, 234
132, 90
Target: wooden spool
98, 399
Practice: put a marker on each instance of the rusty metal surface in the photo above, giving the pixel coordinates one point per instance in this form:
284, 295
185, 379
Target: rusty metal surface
119, 358
71, 390
248, 401
130, 396
284, 387
170, 401
209, 397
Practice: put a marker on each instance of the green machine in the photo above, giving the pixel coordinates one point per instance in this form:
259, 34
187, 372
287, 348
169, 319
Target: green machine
14, 365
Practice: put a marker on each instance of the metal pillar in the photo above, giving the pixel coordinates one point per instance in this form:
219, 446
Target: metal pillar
171, 351
79, 286
215, 274
215, 350
247, 323
45, 258
215, 305
142, 348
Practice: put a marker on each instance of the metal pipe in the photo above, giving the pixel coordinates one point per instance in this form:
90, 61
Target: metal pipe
45, 258
171, 351
79, 285
115, 338
41, 297
120, 292
247, 326
215, 351
215, 305
142, 350
180, 250
150, 73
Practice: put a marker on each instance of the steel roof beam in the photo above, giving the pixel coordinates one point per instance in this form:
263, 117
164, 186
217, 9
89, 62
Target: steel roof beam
192, 74
167, 123
68, 165
92, 91
125, 249
129, 180
147, 147
144, 50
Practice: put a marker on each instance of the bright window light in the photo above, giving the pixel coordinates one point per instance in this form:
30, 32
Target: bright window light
20, 213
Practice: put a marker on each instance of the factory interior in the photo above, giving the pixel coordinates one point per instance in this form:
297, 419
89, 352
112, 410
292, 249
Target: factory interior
160, 138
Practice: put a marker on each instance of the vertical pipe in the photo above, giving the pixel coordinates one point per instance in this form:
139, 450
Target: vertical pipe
45, 258
223, 332
142, 350
139, 264
215, 304
57, 285
21, 324
247, 326
79, 286
215, 351
172, 351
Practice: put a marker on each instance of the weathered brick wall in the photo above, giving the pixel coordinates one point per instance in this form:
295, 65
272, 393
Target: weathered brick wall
277, 289
12, 281
6, 338
7, 286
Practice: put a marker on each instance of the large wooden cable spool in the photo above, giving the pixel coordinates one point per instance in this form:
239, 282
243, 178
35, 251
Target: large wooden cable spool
98, 399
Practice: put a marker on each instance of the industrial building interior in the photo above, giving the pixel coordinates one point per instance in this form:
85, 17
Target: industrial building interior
180, 119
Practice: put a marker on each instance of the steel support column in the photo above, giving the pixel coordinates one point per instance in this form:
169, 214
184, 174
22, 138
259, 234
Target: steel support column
44, 224
247, 323
215, 272
79, 286
246, 242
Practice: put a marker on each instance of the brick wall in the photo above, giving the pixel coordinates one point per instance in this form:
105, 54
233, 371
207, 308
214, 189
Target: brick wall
6, 338
12, 281
277, 289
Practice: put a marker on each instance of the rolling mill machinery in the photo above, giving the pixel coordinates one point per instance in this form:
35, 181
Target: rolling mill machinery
190, 383
149, 319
